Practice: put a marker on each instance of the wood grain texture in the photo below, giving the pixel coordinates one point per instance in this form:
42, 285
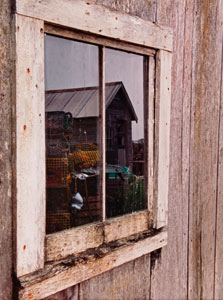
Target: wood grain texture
219, 216
98, 40
207, 58
64, 243
124, 282
61, 244
70, 275
219, 224
218, 276
169, 268
30, 133
113, 24
6, 90
164, 62
144, 9
124, 226
68, 294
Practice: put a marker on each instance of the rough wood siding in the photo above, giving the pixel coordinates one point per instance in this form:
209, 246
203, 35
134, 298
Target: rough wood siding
5, 153
190, 267
169, 275
124, 282
205, 105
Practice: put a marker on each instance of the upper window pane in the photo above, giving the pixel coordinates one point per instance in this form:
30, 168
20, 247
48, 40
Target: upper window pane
72, 147
125, 163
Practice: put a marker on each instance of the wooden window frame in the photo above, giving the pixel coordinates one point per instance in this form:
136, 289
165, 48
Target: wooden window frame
134, 234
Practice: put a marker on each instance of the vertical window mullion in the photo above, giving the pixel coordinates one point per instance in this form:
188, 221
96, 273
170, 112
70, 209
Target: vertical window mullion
102, 127
151, 134
146, 124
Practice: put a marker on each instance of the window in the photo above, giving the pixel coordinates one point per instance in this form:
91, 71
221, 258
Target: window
106, 102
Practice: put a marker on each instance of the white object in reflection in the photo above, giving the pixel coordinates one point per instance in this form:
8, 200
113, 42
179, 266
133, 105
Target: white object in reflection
77, 201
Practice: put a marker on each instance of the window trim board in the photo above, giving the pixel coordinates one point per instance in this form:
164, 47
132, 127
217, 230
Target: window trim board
113, 24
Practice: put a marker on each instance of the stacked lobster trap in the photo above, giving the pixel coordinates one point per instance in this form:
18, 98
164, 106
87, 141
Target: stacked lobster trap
64, 163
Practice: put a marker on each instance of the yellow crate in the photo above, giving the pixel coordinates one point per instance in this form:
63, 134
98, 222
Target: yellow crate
85, 158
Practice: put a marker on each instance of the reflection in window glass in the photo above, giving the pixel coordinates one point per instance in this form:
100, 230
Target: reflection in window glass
125, 187
71, 80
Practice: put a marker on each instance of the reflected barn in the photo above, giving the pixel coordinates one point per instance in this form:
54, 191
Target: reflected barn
80, 104
72, 154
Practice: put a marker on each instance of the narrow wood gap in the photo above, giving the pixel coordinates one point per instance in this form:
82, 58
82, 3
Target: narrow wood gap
189, 148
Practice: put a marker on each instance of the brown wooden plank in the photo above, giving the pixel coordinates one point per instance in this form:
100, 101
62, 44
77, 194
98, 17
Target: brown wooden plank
219, 214
30, 157
84, 15
218, 287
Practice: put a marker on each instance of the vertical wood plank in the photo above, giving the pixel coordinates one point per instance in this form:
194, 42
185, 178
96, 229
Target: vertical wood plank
30, 145
6, 170
169, 267
218, 292
102, 128
207, 56
219, 212
164, 61
129, 281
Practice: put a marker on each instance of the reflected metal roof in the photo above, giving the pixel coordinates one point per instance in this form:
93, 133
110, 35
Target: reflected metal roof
83, 102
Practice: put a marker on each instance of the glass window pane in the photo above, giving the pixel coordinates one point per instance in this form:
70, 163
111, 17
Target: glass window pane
72, 147
125, 186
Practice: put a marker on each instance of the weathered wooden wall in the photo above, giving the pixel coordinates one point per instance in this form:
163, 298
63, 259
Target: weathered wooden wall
191, 266
5, 153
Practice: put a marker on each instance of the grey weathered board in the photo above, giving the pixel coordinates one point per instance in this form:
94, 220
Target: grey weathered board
169, 271
205, 105
5, 153
190, 267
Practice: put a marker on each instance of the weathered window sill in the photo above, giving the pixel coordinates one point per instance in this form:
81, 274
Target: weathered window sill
62, 274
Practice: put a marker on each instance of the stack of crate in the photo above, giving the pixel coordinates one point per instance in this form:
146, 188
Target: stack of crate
58, 194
